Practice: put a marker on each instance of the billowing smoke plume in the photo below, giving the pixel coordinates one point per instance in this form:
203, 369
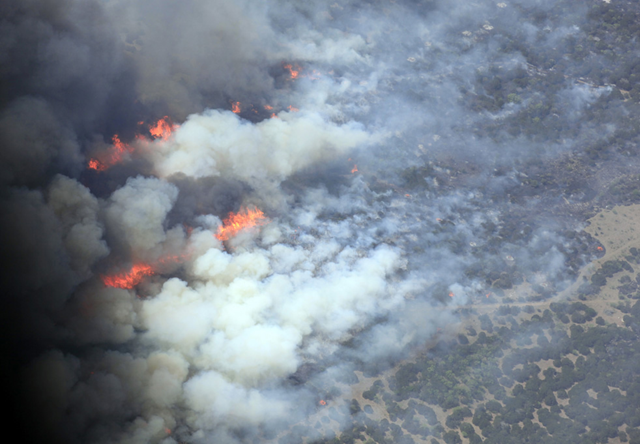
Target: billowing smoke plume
133, 321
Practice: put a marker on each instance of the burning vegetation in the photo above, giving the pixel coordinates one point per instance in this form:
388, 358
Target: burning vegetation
294, 70
129, 279
464, 237
163, 129
244, 219
139, 271
114, 156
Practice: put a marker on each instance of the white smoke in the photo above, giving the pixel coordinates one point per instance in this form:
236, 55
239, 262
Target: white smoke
248, 319
136, 212
220, 143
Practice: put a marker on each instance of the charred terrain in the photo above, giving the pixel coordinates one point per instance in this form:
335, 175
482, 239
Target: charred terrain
398, 221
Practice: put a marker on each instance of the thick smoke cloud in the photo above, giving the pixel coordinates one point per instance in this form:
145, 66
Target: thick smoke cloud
34, 140
77, 210
135, 214
219, 143
196, 55
348, 271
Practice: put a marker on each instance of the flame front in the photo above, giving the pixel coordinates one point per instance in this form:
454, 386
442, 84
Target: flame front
141, 270
235, 107
270, 108
95, 164
163, 129
239, 221
354, 169
112, 157
120, 148
130, 279
294, 71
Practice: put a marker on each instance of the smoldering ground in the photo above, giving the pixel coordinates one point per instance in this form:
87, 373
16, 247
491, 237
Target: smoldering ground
348, 267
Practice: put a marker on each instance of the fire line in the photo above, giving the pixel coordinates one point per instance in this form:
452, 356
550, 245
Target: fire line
242, 220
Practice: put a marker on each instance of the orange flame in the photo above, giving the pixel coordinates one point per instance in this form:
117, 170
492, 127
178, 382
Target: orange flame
139, 271
600, 248
293, 109
354, 169
112, 157
268, 107
130, 279
235, 107
451, 294
120, 147
95, 164
163, 129
237, 222
167, 431
294, 70
323, 402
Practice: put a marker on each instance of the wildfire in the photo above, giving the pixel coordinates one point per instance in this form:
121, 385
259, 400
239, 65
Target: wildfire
451, 294
130, 279
294, 70
95, 164
354, 169
323, 402
163, 128
111, 157
120, 147
235, 107
270, 108
139, 271
600, 248
236, 222
293, 109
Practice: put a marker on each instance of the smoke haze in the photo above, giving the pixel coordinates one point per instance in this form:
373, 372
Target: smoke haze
360, 133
